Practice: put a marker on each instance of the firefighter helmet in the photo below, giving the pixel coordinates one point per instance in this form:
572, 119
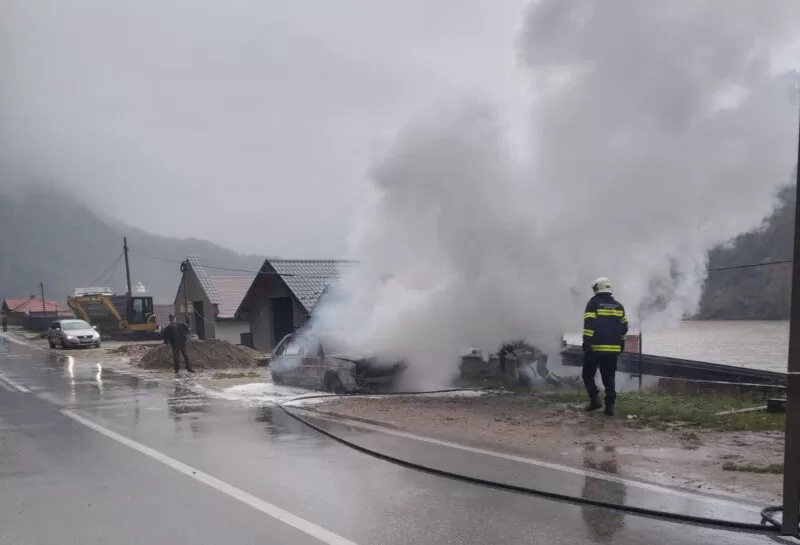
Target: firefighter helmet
602, 285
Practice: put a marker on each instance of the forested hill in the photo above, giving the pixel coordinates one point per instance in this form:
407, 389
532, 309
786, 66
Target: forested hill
48, 237
753, 293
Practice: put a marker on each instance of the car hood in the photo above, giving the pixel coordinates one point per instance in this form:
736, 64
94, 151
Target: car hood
79, 332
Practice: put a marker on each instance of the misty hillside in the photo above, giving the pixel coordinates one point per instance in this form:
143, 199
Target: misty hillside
760, 292
48, 237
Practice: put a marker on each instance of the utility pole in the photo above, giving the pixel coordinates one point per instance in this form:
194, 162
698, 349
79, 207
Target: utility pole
184, 268
41, 288
791, 464
127, 265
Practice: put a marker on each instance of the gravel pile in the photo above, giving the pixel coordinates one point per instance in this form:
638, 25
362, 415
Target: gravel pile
133, 350
210, 354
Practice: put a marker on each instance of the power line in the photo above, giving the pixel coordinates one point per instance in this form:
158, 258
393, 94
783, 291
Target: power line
751, 265
110, 275
230, 269
103, 274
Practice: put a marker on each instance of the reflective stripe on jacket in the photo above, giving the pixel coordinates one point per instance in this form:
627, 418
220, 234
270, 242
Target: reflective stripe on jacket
604, 324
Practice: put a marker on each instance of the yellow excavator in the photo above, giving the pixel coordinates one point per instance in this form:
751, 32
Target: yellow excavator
119, 317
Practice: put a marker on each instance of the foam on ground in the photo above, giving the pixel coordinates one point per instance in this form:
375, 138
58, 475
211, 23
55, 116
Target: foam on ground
263, 393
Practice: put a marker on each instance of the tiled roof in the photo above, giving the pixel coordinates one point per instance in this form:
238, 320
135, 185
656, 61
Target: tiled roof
204, 279
27, 304
308, 278
230, 291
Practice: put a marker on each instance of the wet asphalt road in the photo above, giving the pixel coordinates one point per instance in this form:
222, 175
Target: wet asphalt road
90, 457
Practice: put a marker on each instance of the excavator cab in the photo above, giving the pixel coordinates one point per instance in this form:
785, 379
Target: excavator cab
140, 310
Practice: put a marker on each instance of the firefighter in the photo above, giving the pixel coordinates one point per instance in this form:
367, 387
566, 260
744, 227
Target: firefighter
604, 328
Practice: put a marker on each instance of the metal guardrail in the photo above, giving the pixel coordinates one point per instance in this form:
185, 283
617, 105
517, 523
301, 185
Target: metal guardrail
662, 366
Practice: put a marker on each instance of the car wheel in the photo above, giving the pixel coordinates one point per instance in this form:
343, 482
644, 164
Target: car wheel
52, 344
334, 384
276, 378
97, 345
63, 345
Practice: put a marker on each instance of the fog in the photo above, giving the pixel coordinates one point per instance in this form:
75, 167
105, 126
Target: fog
657, 132
483, 161
232, 120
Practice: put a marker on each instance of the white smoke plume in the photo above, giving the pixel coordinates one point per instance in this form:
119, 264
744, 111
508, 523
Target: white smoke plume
659, 130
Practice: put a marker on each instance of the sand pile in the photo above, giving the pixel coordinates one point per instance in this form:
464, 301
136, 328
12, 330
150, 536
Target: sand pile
253, 353
210, 354
133, 350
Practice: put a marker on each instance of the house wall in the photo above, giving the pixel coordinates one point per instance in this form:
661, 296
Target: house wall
231, 330
17, 318
261, 311
194, 292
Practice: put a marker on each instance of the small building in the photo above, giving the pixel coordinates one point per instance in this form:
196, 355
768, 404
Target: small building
283, 295
31, 312
210, 302
162, 312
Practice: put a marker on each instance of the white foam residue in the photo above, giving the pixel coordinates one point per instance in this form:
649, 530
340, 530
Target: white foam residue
262, 393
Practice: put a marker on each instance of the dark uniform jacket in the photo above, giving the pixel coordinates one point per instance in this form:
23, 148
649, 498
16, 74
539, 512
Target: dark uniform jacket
175, 334
604, 324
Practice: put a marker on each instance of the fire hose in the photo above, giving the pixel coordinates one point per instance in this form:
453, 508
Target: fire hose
769, 524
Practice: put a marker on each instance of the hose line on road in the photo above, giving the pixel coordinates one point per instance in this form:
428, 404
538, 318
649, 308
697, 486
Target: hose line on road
768, 526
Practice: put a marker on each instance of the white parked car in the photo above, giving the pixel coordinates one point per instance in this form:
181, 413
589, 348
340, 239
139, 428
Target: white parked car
72, 333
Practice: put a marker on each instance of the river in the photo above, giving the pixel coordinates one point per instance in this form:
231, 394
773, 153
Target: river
761, 345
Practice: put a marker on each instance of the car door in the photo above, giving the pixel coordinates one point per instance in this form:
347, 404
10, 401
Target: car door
311, 366
287, 360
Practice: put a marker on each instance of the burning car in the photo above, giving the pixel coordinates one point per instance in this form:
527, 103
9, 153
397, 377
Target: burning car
300, 360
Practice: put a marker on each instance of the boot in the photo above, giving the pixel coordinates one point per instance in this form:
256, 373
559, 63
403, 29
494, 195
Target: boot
609, 410
594, 404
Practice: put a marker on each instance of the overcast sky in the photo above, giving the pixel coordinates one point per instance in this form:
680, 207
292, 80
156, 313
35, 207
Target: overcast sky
246, 122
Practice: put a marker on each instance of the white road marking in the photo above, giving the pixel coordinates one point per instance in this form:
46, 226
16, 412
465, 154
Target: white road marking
5, 386
531, 461
305, 526
15, 385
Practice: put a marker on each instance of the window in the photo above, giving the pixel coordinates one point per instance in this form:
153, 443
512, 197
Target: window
293, 348
75, 326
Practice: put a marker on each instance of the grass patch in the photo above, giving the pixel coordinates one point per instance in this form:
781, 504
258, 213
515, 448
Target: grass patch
696, 410
241, 374
501, 382
565, 396
774, 469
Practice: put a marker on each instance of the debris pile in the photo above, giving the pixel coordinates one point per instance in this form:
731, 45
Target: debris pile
253, 353
133, 350
209, 354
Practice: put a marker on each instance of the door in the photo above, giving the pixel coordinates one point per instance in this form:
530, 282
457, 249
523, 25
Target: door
282, 317
287, 359
199, 320
311, 365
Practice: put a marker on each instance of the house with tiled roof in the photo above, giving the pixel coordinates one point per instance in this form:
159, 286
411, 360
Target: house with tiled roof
19, 310
210, 302
283, 295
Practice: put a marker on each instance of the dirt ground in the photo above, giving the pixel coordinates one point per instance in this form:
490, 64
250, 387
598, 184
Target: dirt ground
126, 358
561, 433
